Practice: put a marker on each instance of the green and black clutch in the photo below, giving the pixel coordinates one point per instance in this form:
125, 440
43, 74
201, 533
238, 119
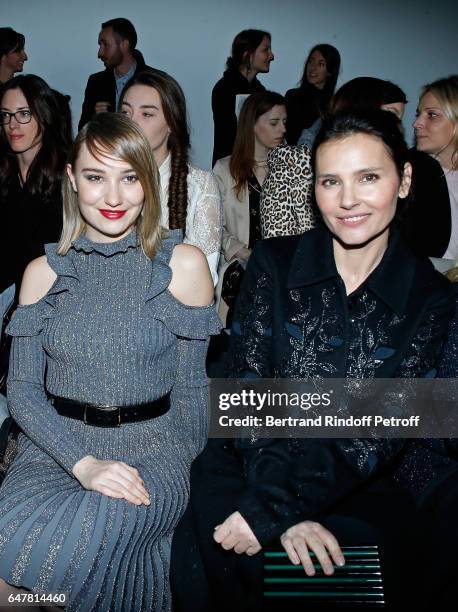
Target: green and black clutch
356, 586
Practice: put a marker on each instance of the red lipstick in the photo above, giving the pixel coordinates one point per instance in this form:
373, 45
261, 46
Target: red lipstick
112, 214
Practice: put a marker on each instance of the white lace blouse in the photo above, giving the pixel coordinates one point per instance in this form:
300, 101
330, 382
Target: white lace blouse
204, 216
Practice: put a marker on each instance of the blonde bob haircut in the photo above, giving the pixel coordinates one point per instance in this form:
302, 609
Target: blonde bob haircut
115, 136
446, 91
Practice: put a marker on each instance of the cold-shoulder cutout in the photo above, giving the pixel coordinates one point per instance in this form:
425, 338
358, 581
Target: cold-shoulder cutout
38, 279
191, 282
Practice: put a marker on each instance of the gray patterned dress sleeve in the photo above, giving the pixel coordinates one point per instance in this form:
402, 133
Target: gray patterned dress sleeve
27, 399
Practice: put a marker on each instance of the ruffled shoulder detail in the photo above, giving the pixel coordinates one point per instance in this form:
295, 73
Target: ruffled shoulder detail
65, 269
193, 322
161, 274
61, 264
28, 320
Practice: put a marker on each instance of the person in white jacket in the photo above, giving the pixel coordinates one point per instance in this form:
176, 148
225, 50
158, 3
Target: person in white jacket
261, 128
190, 198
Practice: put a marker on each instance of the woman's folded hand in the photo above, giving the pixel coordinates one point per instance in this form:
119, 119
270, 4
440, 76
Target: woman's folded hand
235, 533
111, 478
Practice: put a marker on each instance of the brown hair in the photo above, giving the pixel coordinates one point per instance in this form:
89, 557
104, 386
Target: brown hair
242, 162
116, 136
174, 108
244, 44
52, 113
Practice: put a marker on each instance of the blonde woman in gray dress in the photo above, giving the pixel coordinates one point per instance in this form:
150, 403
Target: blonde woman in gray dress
107, 382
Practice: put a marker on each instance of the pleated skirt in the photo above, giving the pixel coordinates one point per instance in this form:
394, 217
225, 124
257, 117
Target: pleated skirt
105, 554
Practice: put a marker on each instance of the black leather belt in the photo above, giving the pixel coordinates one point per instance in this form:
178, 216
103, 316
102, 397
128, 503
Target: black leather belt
111, 416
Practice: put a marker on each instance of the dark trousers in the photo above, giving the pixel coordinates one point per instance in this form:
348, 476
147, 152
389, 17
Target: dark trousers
436, 547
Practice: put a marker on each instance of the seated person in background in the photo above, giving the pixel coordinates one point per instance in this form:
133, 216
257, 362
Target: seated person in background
34, 141
251, 54
189, 196
310, 100
117, 42
12, 53
35, 136
240, 177
369, 93
361, 94
431, 222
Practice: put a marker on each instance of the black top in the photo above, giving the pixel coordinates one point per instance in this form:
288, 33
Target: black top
304, 106
427, 222
101, 87
294, 320
224, 93
448, 366
28, 223
254, 196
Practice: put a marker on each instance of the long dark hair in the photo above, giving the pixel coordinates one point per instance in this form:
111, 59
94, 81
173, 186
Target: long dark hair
365, 93
242, 159
245, 43
174, 108
332, 58
52, 113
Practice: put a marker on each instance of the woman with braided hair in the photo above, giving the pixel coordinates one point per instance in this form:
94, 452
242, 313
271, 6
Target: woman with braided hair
189, 196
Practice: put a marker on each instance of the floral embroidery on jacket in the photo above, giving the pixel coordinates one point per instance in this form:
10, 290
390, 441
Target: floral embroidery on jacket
310, 336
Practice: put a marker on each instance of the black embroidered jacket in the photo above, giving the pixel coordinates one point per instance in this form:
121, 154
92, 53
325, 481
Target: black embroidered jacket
294, 320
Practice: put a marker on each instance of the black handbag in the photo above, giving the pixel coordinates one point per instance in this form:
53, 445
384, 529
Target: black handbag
232, 281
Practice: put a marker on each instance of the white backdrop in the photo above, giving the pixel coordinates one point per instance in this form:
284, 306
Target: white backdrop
406, 41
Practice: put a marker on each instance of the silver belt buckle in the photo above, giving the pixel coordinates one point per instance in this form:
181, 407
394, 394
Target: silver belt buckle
111, 413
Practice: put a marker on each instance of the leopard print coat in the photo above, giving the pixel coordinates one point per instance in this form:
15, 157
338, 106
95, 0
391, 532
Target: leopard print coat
287, 192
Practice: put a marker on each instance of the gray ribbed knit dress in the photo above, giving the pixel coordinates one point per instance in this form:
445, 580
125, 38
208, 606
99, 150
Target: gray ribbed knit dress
107, 332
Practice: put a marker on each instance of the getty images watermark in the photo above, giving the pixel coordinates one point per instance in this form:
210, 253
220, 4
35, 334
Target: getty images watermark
389, 408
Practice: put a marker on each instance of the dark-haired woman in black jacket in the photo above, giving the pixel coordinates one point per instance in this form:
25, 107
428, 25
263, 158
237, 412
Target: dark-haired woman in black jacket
34, 141
251, 55
347, 300
308, 102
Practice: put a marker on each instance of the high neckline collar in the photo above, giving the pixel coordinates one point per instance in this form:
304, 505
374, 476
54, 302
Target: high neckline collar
165, 167
390, 280
83, 243
236, 77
